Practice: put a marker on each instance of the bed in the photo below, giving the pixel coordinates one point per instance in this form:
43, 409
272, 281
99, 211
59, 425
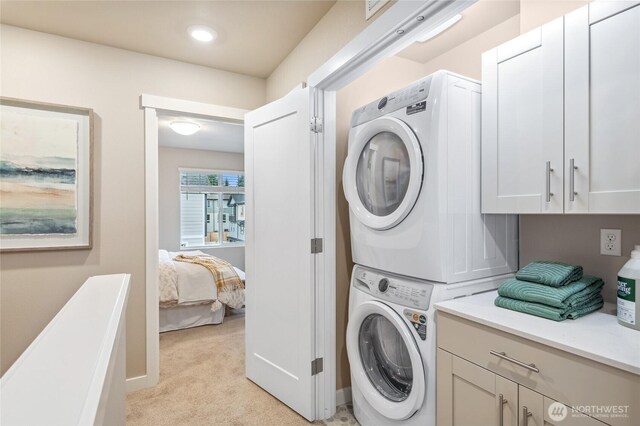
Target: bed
188, 293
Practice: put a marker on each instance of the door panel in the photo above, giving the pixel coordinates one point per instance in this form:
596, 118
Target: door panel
602, 104
280, 268
530, 407
522, 110
471, 395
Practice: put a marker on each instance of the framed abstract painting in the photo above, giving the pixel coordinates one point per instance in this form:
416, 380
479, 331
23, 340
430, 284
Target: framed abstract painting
45, 176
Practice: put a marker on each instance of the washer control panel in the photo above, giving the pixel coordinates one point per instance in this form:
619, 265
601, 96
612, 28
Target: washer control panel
412, 98
400, 290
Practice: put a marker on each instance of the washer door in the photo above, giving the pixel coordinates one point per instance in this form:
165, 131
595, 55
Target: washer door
385, 360
383, 172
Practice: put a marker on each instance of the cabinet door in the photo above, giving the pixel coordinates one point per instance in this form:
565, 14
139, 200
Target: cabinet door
471, 395
530, 407
522, 123
602, 108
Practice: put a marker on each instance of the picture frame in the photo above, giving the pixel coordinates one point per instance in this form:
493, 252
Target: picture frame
46, 176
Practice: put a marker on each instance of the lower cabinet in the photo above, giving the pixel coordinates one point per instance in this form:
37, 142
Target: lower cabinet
469, 395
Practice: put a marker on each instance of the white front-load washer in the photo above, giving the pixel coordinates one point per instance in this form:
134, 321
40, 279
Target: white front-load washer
412, 180
391, 344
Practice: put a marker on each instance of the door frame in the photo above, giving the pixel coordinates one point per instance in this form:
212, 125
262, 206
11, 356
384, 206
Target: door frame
151, 104
391, 32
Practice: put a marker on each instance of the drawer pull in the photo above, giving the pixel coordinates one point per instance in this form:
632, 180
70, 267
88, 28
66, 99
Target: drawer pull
504, 356
503, 401
525, 416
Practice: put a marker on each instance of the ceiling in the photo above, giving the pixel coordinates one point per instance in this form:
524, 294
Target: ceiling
213, 135
478, 18
253, 36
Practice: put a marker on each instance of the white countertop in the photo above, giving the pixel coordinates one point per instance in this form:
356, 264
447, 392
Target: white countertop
596, 336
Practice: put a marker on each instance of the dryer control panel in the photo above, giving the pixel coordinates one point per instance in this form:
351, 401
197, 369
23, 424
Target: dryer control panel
412, 97
400, 290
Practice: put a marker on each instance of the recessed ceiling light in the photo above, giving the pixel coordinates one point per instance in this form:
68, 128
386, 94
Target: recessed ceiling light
184, 128
439, 29
202, 34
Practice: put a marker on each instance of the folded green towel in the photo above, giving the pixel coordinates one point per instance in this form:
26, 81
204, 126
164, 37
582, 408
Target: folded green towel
555, 274
568, 296
549, 312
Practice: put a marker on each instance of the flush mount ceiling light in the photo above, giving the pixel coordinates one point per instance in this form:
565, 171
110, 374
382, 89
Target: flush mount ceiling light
184, 128
202, 34
439, 29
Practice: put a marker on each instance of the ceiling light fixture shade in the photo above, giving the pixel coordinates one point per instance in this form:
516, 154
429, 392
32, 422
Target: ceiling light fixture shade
184, 128
202, 34
439, 29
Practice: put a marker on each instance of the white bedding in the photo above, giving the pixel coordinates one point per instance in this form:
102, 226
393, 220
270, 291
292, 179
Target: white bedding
194, 283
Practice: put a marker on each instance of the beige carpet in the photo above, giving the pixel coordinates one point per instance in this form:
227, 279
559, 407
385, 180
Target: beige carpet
202, 382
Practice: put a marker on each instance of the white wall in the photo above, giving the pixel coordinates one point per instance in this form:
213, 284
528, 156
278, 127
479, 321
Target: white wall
47, 68
169, 161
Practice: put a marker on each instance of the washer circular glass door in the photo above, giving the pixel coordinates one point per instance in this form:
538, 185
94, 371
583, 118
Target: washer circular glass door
383, 173
385, 360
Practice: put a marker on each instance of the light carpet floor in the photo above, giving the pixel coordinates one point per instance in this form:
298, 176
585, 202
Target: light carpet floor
202, 382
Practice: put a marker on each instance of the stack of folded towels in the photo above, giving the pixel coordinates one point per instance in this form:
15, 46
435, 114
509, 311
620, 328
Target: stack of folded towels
552, 290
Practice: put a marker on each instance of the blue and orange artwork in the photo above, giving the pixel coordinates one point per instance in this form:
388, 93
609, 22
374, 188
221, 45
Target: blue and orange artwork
38, 175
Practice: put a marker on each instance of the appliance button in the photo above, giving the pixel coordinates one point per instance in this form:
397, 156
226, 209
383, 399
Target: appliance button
382, 103
383, 285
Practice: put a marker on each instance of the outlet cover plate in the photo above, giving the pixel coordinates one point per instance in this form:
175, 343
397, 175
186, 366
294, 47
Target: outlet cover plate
611, 242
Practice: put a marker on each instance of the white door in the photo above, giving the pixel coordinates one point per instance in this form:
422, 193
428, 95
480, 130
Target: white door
385, 360
522, 123
279, 264
602, 108
383, 172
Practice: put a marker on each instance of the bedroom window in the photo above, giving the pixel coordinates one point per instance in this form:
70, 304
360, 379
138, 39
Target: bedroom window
212, 208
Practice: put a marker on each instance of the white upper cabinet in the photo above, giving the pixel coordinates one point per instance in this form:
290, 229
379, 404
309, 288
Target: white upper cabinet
561, 115
602, 108
522, 123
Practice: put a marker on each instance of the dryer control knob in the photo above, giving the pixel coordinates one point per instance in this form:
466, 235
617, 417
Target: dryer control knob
383, 285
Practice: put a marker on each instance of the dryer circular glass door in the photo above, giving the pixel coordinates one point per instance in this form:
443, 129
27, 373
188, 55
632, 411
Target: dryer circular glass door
383, 173
385, 361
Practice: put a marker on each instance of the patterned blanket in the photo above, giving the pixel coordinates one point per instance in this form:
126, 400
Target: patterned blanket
230, 286
168, 281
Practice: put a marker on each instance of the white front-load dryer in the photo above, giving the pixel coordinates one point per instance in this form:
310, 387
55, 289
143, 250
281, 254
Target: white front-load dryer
391, 344
412, 181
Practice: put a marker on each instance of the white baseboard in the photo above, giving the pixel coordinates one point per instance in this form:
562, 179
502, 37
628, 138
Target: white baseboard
343, 396
137, 383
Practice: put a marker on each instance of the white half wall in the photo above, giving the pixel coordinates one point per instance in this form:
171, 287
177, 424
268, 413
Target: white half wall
170, 160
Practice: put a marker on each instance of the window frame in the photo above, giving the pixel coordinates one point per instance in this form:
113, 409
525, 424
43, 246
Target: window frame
219, 190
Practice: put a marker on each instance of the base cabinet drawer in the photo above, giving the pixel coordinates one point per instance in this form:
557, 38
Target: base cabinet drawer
544, 371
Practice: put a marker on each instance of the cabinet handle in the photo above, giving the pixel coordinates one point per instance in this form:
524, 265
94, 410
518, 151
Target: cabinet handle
549, 170
525, 416
572, 184
502, 401
504, 356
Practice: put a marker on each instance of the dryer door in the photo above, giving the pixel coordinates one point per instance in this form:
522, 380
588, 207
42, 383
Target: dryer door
383, 173
385, 361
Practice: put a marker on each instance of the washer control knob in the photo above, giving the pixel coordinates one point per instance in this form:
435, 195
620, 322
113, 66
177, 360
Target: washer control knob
382, 103
383, 285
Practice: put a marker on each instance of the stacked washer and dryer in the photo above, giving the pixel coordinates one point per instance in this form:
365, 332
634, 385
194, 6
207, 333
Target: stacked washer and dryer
412, 180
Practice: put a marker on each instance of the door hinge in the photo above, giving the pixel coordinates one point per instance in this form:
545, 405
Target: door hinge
317, 366
316, 124
316, 245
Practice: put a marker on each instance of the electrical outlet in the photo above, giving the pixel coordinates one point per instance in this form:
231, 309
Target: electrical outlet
611, 242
